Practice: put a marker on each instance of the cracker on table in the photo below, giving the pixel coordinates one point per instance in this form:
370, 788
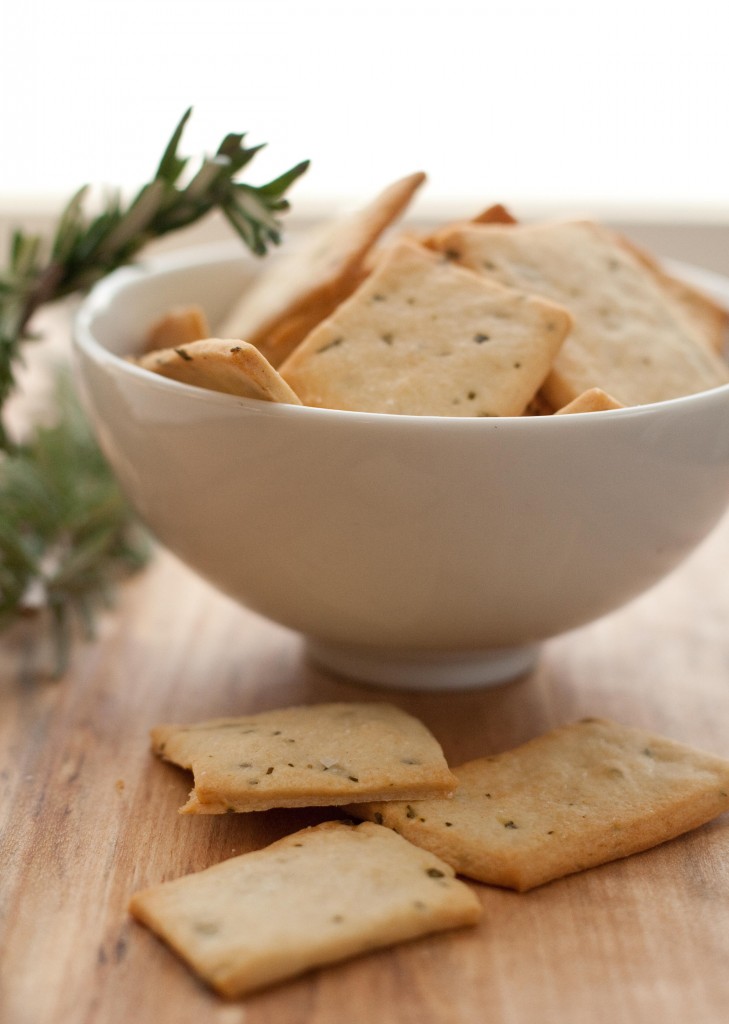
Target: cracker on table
707, 317
301, 288
422, 336
234, 367
179, 326
315, 755
626, 338
579, 796
592, 400
319, 896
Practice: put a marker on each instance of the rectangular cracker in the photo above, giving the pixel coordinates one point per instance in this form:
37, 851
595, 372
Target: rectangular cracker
317, 755
579, 796
319, 896
298, 290
422, 336
627, 337
179, 326
233, 367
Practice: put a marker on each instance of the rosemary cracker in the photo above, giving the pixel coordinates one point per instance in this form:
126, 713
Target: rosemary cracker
179, 326
321, 895
708, 319
626, 338
234, 367
422, 336
579, 796
592, 400
297, 291
316, 755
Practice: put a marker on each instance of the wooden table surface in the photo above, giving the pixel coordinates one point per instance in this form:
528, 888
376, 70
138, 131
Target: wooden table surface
88, 816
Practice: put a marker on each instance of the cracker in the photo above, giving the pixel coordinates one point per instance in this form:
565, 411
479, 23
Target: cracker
316, 897
708, 319
317, 755
234, 367
306, 285
422, 336
579, 796
593, 400
625, 339
179, 326
496, 214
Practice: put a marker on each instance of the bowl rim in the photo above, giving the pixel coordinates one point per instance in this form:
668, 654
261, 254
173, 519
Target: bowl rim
185, 258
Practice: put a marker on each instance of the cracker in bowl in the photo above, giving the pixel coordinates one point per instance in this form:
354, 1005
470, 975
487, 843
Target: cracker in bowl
627, 336
232, 367
422, 336
297, 291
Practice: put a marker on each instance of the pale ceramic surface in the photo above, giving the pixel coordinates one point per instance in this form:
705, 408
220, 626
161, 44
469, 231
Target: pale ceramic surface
410, 551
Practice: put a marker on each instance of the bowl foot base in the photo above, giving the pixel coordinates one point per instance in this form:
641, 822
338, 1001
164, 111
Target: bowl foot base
425, 670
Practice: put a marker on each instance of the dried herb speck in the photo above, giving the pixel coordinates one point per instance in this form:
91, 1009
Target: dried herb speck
184, 355
330, 344
206, 927
435, 873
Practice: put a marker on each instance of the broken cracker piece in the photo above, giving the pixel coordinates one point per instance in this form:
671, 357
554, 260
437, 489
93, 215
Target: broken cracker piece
422, 336
579, 796
315, 755
319, 896
233, 367
304, 286
179, 326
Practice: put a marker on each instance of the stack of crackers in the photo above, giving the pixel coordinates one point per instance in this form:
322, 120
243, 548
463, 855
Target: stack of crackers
486, 317
584, 794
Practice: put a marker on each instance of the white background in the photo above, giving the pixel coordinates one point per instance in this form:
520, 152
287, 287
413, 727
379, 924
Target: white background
618, 106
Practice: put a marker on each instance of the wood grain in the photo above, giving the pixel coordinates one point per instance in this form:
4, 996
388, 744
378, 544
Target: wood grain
88, 815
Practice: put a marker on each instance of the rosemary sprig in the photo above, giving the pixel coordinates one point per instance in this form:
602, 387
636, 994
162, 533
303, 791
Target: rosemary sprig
83, 250
66, 532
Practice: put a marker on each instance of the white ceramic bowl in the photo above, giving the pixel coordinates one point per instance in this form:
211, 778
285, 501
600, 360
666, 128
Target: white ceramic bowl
411, 551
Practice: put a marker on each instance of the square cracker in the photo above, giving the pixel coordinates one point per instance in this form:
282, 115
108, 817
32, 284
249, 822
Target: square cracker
581, 795
422, 336
234, 367
317, 755
708, 319
298, 290
627, 336
179, 326
319, 896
